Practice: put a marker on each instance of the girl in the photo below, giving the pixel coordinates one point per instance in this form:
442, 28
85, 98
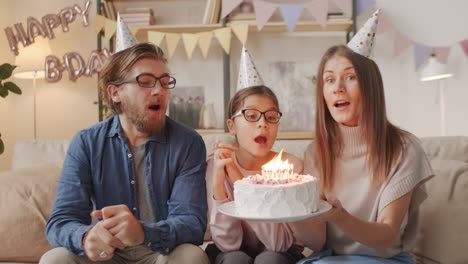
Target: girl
253, 116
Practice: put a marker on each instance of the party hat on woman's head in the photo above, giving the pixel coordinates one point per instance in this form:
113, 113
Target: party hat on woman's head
248, 74
124, 37
363, 41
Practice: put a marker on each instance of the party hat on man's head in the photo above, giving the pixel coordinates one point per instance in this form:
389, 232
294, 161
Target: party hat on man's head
248, 74
124, 37
363, 41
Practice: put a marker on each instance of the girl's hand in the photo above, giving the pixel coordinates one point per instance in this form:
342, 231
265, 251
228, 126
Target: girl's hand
222, 160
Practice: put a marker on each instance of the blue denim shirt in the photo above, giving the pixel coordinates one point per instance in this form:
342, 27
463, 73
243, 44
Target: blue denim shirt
99, 171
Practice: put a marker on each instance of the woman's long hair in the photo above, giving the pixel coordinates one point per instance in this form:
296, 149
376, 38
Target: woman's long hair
384, 140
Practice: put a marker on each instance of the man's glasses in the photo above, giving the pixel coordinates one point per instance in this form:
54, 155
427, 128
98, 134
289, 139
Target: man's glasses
148, 80
253, 115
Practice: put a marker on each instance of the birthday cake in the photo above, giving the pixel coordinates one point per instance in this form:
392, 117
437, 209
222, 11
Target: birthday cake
277, 193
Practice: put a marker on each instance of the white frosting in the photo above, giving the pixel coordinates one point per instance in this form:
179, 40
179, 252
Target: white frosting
276, 200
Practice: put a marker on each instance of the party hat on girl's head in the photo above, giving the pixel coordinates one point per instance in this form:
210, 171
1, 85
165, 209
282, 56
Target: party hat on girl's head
248, 74
363, 41
124, 37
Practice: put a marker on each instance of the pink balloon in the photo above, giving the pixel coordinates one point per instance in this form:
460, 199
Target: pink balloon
96, 61
83, 12
35, 28
67, 15
50, 22
53, 69
13, 39
74, 73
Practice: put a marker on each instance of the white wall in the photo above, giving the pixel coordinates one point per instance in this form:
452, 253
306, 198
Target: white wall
413, 104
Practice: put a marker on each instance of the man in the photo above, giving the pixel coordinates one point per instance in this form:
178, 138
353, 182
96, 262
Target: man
141, 172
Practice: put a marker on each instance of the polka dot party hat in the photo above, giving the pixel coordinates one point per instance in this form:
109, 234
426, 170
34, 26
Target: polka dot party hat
363, 41
124, 37
248, 74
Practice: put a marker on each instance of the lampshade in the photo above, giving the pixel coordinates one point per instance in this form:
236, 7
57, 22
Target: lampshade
434, 70
30, 61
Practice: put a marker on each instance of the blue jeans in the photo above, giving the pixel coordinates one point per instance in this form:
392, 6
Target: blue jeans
327, 257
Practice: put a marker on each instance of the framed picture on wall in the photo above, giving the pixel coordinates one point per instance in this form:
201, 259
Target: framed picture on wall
294, 85
186, 104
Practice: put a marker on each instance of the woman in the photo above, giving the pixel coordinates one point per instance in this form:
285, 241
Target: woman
253, 119
370, 171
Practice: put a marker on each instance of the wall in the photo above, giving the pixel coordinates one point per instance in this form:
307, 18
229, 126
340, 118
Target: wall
63, 107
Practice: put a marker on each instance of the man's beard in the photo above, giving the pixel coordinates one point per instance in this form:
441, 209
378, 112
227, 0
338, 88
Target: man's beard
137, 117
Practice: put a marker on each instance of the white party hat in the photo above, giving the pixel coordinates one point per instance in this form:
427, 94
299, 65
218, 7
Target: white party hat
363, 41
124, 37
248, 74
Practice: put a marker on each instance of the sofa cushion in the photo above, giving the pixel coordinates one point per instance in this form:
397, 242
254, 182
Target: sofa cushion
446, 148
442, 222
26, 198
38, 152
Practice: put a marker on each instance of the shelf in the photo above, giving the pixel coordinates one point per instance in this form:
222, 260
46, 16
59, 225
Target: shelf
183, 28
333, 25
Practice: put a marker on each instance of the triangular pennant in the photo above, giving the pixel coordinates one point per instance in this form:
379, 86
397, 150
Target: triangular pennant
363, 42
99, 23
110, 26
156, 37
363, 5
204, 42
124, 38
172, 39
384, 24
227, 6
421, 53
442, 53
400, 42
241, 30
464, 46
345, 5
263, 12
248, 73
319, 10
134, 30
224, 37
190, 41
291, 14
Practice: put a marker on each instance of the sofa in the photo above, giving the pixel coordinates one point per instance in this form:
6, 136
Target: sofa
27, 193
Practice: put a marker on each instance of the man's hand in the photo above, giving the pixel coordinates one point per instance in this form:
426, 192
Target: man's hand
121, 223
99, 244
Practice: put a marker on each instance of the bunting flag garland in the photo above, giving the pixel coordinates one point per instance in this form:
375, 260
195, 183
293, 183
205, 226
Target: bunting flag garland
190, 41
227, 6
241, 30
263, 12
172, 39
442, 54
204, 42
421, 53
464, 46
345, 5
99, 23
110, 27
319, 10
224, 37
156, 37
291, 14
